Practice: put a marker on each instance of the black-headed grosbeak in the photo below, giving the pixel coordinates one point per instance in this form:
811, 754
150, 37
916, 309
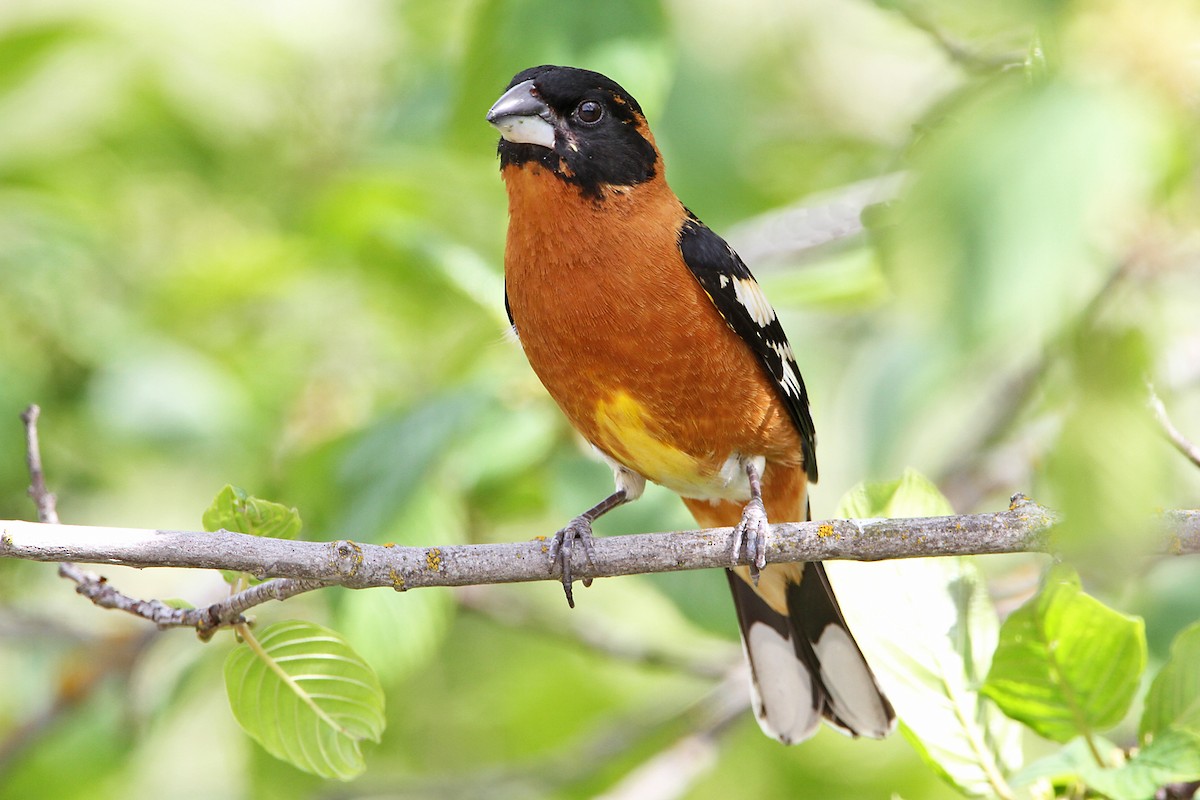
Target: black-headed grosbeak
659, 346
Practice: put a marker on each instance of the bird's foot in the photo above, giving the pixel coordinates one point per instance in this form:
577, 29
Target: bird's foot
751, 533
560, 551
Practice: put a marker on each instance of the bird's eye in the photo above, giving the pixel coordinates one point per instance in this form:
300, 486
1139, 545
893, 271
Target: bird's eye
589, 112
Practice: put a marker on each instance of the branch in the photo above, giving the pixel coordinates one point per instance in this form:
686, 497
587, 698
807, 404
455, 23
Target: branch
45, 502
97, 589
298, 567
967, 56
1181, 442
1024, 527
205, 620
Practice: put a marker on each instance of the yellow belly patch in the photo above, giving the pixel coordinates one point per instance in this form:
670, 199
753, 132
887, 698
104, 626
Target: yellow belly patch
626, 432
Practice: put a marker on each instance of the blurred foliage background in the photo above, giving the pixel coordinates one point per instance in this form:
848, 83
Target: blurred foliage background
260, 243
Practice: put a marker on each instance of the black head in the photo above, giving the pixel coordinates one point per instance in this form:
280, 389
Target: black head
579, 124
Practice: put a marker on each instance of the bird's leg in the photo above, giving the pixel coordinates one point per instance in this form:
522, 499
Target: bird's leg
752, 530
580, 528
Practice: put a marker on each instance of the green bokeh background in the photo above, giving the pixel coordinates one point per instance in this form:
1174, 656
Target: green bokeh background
260, 243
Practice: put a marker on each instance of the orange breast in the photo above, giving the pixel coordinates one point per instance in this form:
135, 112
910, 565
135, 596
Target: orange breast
625, 340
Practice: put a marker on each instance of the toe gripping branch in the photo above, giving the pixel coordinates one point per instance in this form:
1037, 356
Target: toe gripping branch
751, 532
580, 528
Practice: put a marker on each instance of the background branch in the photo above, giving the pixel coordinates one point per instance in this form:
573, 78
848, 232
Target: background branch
1176, 437
45, 502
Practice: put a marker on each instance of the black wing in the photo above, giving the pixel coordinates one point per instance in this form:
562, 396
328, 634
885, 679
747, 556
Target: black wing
508, 311
736, 294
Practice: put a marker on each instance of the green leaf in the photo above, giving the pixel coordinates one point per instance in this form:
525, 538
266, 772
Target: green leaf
302, 693
389, 461
1066, 764
1172, 757
910, 495
930, 644
235, 510
1067, 665
1174, 697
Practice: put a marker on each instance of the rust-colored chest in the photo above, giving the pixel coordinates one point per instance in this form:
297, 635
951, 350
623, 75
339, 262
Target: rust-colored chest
623, 337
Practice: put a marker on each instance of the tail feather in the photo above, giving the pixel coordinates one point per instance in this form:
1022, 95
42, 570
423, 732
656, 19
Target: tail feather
784, 688
806, 665
853, 699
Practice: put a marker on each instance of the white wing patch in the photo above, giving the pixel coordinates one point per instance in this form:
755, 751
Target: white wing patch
752, 298
789, 380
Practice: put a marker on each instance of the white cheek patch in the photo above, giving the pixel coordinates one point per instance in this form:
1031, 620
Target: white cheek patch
526, 130
750, 295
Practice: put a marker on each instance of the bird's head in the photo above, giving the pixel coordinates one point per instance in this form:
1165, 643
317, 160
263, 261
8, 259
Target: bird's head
580, 125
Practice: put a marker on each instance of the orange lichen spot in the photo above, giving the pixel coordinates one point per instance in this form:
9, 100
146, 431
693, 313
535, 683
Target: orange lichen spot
825, 530
433, 559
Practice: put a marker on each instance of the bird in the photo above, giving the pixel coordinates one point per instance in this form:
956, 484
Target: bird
659, 346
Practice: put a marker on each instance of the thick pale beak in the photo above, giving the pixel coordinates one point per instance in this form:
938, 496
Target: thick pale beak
522, 117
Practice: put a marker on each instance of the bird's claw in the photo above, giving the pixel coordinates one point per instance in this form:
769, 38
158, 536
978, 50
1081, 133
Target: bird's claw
751, 533
560, 552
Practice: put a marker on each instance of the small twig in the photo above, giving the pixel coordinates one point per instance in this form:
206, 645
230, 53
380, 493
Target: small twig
964, 55
1181, 442
205, 620
43, 499
230, 610
97, 589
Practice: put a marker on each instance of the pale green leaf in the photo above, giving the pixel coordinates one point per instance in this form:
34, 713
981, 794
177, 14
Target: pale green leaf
910, 495
235, 510
1174, 697
1173, 756
928, 629
1066, 764
302, 693
1067, 665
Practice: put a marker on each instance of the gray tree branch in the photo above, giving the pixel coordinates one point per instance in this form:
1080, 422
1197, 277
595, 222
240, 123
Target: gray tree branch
1023, 527
294, 567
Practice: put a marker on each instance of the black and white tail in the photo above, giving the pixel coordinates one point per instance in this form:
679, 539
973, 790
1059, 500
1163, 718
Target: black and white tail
806, 665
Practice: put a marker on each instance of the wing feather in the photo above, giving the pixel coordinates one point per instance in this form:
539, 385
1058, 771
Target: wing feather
736, 294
